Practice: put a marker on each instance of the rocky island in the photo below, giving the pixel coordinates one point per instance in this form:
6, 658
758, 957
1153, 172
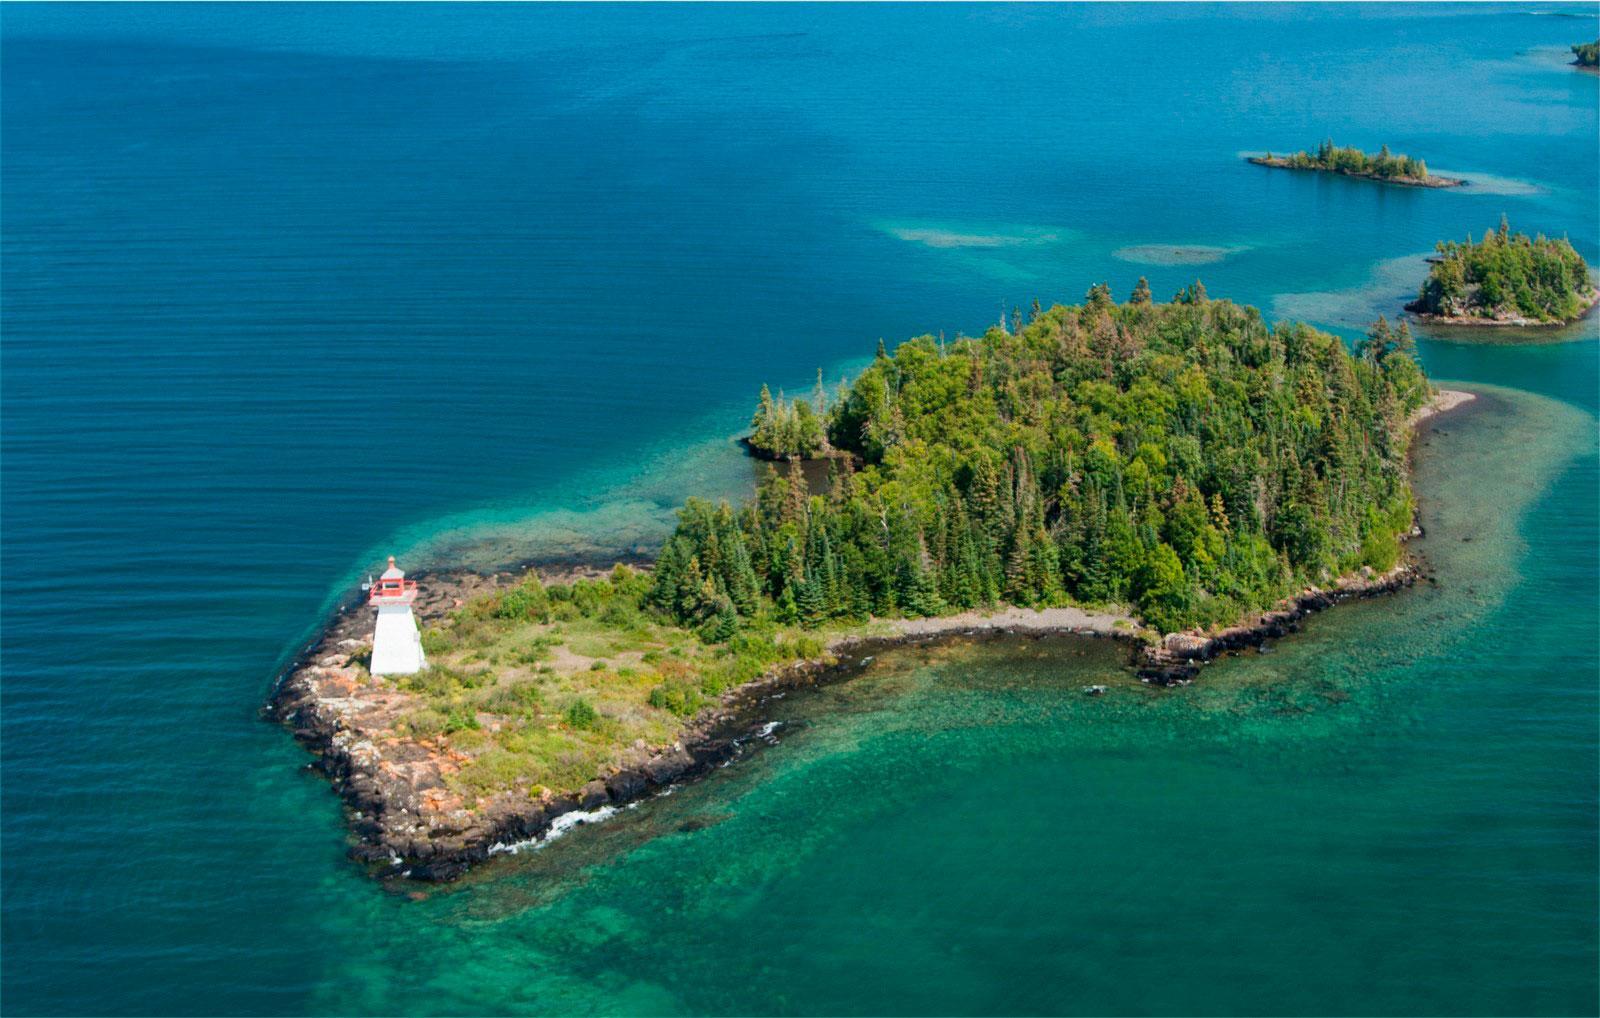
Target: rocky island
1506, 279
1180, 476
1586, 55
1352, 162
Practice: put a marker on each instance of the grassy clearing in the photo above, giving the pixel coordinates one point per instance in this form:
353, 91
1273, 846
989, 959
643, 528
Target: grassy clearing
547, 687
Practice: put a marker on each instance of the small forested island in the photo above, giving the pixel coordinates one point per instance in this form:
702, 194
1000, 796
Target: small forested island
783, 429
1506, 279
1587, 54
1352, 162
1181, 476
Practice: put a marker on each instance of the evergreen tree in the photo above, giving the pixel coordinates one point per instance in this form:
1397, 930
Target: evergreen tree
723, 623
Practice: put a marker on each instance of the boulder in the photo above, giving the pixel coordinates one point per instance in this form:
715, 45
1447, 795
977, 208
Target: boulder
626, 785
594, 795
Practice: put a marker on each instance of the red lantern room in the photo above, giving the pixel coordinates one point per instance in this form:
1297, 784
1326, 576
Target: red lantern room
392, 588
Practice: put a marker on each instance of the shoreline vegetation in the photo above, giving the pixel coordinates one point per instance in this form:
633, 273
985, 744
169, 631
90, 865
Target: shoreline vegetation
1586, 55
1179, 477
784, 429
1381, 166
1506, 279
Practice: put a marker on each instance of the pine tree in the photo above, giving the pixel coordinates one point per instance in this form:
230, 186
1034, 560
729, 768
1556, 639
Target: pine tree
1404, 342
787, 607
796, 495
811, 604
918, 593
723, 623
744, 589
763, 423
1017, 561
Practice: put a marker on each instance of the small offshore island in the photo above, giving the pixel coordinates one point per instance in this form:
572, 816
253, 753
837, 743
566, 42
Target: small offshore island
1352, 162
1506, 279
1179, 476
1586, 55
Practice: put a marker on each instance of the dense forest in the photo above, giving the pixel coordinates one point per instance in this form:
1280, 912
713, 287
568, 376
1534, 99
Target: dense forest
1185, 458
1354, 161
1587, 54
1507, 276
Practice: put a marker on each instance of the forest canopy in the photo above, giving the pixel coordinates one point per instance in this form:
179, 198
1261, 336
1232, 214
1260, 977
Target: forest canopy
1507, 276
1184, 458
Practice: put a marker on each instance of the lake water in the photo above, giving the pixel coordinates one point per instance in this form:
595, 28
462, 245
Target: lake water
285, 289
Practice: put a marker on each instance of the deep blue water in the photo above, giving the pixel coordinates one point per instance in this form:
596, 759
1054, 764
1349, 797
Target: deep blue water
285, 288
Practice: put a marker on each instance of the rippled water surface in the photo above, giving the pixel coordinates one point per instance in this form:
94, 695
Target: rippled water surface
285, 288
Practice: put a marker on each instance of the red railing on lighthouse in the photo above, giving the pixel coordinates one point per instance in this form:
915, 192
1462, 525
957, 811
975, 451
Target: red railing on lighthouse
392, 591
392, 587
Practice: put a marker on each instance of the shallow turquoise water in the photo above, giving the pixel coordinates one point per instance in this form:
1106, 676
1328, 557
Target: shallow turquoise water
568, 245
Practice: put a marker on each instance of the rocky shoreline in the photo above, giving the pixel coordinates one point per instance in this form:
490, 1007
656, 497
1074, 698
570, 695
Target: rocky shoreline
822, 455
406, 822
1591, 300
1179, 656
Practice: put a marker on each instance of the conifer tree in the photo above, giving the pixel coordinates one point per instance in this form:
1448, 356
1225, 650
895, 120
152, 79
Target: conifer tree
811, 603
723, 623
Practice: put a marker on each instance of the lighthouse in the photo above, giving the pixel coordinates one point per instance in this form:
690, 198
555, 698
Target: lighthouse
396, 643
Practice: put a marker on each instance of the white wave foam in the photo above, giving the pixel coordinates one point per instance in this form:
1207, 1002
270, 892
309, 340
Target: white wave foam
559, 826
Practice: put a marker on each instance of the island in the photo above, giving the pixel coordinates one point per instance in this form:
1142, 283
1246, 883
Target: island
1587, 55
784, 429
1180, 476
1352, 162
1506, 279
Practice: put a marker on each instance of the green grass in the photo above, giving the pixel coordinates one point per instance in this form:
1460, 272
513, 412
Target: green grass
547, 688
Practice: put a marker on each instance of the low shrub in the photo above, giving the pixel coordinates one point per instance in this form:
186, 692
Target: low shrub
436, 641
679, 696
581, 715
534, 651
425, 723
521, 699
459, 718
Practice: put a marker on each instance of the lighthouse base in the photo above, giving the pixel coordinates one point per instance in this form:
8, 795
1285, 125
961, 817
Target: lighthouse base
396, 643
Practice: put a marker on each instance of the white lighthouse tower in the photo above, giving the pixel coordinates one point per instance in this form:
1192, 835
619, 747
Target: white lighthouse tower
396, 644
